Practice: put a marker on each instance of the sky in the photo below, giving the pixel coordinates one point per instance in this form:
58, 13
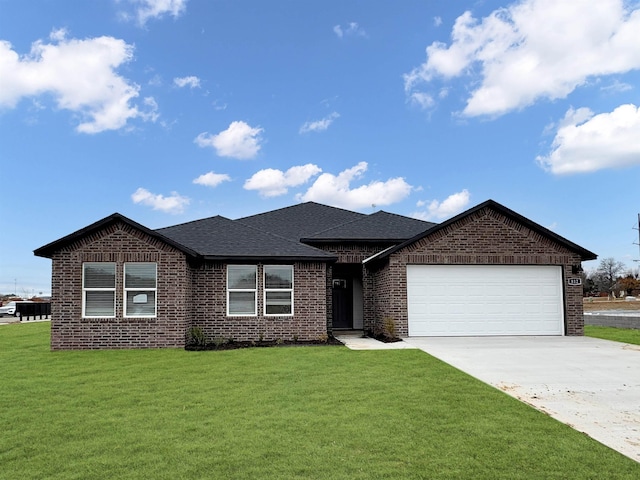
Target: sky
168, 111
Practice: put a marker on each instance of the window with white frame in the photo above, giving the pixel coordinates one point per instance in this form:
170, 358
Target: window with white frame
278, 290
140, 285
241, 290
98, 289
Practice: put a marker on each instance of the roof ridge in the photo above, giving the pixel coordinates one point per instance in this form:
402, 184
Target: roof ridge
194, 221
298, 205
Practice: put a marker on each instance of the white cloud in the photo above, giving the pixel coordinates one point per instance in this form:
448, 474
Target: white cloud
352, 29
238, 141
532, 50
155, 9
212, 179
319, 125
81, 77
335, 190
174, 203
585, 142
449, 207
190, 81
272, 183
437, 21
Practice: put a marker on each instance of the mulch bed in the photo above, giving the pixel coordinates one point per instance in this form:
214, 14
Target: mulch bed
234, 345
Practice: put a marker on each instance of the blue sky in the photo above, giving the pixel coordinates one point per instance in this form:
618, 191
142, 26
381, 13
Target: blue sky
172, 110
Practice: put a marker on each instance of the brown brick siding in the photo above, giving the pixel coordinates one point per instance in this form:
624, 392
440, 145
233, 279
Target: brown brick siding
118, 243
483, 238
309, 321
186, 296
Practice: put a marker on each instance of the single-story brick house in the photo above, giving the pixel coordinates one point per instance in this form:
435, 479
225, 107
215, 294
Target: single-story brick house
309, 270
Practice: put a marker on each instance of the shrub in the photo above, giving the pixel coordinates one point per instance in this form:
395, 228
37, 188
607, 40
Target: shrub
389, 328
196, 338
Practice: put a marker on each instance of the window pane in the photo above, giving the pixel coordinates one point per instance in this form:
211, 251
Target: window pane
242, 303
99, 304
140, 275
141, 303
99, 275
278, 276
278, 303
241, 276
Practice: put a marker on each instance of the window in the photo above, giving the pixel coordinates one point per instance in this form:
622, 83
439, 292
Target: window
98, 289
278, 290
140, 289
241, 290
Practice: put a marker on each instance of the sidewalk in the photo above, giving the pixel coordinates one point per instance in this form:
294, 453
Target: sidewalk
32, 319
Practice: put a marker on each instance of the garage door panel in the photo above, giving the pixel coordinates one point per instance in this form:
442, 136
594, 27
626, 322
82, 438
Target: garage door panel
449, 300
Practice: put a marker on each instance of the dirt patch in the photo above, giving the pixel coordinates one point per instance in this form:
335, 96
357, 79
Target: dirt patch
597, 304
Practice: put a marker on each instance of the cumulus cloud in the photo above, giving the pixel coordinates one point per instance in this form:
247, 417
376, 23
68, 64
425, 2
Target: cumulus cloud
191, 82
239, 141
352, 29
319, 125
449, 207
336, 190
174, 203
146, 10
272, 183
531, 50
212, 179
585, 142
81, 77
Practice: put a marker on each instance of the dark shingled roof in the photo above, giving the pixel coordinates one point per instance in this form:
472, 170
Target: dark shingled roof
377, 227
221, 238
302, 220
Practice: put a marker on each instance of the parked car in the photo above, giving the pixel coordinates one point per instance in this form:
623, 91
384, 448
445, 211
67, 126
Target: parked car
11, 308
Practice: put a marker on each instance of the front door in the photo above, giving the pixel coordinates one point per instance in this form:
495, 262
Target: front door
342, 303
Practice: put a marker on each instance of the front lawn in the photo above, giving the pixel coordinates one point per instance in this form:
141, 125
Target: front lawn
290, 412
625, 335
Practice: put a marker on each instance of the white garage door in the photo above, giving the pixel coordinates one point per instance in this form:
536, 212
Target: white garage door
448, 300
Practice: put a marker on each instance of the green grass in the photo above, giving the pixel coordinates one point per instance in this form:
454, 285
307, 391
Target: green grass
626, 335
305, 412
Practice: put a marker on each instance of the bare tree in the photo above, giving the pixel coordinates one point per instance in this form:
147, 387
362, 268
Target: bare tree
607, 274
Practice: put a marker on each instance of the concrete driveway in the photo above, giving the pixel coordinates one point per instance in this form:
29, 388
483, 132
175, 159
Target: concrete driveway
590, 384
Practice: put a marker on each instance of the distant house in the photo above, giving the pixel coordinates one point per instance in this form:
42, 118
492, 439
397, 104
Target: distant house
309, 270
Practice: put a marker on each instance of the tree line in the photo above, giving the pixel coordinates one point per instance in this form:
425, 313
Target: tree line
612, 278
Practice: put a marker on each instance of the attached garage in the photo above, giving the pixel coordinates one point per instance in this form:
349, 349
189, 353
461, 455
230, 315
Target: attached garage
460, 300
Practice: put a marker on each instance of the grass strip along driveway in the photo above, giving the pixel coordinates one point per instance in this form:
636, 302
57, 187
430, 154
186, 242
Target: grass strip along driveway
624, 335
294, 412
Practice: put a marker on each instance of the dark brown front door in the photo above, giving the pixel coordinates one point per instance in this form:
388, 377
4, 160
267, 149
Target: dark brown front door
342, 303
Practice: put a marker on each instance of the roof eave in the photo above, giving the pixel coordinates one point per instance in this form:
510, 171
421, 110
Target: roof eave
270, 258
309, 241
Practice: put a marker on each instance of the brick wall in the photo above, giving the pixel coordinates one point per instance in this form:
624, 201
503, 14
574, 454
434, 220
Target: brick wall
485, 237
309, 321
118, 243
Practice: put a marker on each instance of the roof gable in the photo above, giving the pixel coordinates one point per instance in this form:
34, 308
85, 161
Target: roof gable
510, 214
48, 250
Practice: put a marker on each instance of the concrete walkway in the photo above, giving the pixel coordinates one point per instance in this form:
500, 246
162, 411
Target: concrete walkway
590, 384
356, 341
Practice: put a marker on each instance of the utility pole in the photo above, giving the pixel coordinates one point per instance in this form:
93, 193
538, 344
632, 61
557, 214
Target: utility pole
638, 228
